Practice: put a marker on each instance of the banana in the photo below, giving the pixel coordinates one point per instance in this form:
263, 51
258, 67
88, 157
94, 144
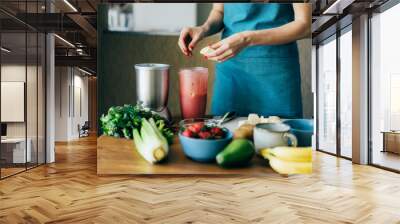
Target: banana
286, 167
291, 154
265, 153
206, 50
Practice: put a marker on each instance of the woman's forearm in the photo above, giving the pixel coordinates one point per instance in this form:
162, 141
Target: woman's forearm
214, 23
298, 29
280, 35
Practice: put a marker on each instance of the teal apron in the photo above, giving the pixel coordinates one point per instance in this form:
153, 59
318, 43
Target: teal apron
260, 79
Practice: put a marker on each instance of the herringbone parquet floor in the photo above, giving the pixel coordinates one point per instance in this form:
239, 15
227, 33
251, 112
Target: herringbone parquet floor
69, 191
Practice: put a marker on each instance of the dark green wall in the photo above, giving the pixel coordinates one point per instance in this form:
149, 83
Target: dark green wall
123, 51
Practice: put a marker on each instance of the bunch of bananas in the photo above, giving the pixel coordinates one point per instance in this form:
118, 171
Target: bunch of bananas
289, 160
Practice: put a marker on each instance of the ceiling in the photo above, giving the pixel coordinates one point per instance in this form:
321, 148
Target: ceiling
332, 15
76, 21
72, 20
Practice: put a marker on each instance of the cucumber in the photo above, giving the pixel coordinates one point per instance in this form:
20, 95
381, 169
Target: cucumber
238, 153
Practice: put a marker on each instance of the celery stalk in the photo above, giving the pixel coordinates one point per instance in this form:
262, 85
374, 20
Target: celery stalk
150, 143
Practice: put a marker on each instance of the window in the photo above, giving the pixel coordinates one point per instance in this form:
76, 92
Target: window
346, 92
334, 106
327, 96
22, 76
385, 89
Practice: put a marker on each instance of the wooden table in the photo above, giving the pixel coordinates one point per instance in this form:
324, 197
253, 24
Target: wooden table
117, 156
391, 141
14, 152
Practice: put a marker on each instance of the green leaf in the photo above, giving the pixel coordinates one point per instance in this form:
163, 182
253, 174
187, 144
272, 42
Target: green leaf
120, 121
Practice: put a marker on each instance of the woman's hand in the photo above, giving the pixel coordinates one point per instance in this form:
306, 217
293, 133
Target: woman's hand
229, 47
189, 37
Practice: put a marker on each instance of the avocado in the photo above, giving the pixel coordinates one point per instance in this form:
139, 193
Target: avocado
238, 153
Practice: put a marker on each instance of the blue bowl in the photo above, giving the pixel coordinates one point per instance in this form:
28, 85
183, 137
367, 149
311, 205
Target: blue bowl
204, 150
303, 129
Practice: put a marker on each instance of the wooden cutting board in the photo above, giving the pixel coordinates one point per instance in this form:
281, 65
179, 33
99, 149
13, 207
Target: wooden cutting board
117, 156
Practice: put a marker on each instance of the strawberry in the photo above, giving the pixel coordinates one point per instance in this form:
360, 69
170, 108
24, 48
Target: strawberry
187, 133
190, 128
196, 127
205, 135
217, 131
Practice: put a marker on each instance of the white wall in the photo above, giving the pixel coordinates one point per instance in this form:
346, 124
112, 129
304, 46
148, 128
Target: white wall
69, 82
146, 16
61, 103
16, 73
9, 73
13, 100
34, 125
80, 84
12, 73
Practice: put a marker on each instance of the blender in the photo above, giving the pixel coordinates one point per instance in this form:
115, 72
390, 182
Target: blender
152, 83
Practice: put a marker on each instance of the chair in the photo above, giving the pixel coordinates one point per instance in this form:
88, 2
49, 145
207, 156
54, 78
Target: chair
84, 130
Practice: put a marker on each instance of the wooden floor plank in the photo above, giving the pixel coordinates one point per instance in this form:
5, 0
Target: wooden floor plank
69, 191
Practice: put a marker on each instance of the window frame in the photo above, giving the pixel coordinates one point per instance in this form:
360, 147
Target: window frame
27, 29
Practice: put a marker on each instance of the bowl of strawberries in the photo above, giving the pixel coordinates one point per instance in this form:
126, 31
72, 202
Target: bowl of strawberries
203, 139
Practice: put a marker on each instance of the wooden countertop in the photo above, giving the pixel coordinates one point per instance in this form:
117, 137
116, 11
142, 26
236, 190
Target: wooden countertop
117, 156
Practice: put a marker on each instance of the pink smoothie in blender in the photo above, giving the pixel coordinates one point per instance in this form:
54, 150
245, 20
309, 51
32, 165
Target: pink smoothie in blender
193, 91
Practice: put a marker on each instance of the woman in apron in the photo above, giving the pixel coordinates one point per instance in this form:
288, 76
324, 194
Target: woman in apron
258, 69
